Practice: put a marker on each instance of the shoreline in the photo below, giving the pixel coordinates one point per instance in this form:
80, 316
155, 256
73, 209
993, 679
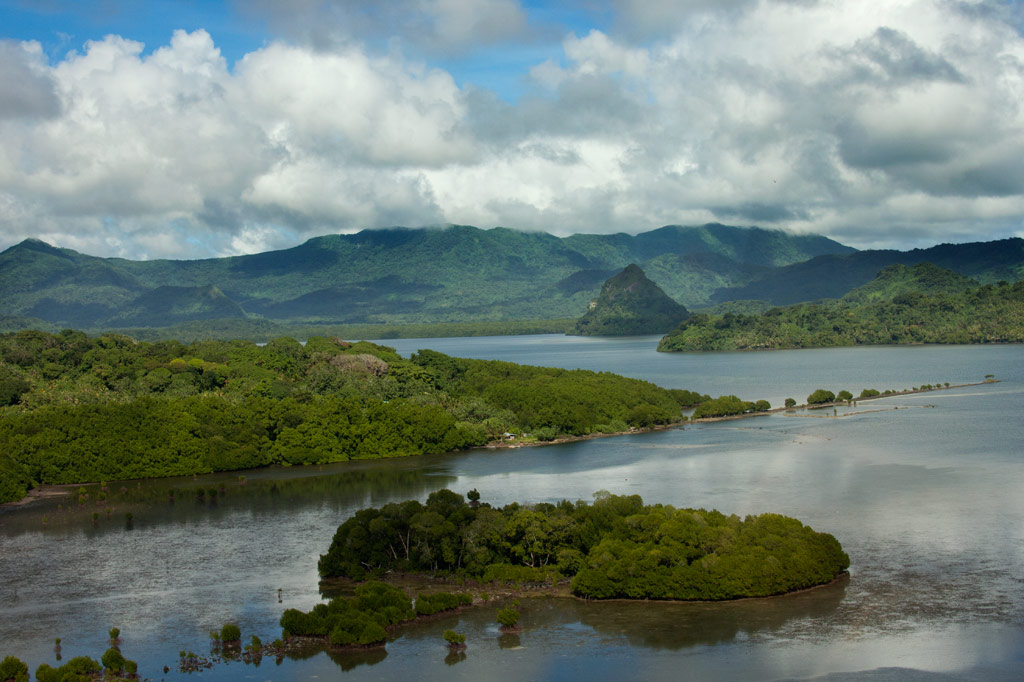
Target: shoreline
48, 491
497, 591
770, 349
850, 403
510, 445
497, 594
54, 490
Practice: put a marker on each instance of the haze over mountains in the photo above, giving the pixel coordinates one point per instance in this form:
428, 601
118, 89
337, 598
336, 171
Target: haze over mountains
456, 273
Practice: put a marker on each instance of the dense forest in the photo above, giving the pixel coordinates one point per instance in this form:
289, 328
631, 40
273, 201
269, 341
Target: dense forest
616, 547
919, 304
75, 408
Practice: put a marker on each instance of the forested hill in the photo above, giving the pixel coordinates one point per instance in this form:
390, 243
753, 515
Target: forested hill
918, 304
447, 274
630, 304
833, 275
77, 409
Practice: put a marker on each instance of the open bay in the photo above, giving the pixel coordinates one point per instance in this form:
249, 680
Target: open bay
927, 502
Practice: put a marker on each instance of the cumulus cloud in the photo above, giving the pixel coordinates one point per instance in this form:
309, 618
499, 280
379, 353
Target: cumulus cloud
879, 123
170, 154
26, 89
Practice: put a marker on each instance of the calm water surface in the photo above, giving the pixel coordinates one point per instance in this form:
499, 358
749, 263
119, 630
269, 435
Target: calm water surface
927, 499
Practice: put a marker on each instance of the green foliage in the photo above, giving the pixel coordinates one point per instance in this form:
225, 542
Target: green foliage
868, 393
13, 670
78, 669
688, 398
616, 547
512, 574
14, 480
708, 556
821, 396
12, 387
630, 304
572, 402
844, 396
508, 617
114, 633
454, 638
728, 405
946, 313
790, 402
230, 633
111, 408
429, 604
113, 661
359, 620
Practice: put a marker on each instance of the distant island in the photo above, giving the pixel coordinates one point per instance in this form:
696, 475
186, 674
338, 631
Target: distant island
630, 304
615, 548
902, 305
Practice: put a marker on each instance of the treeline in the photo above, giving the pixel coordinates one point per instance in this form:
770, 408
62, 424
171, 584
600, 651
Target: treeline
615, 547
262, 330
76, 409
984, 314
728, 406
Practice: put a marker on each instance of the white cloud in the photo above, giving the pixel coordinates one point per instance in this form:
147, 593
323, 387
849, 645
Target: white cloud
26, 89
880, 122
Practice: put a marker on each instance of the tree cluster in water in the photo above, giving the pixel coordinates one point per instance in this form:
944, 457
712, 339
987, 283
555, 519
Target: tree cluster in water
362, 620
79, 409
616, 547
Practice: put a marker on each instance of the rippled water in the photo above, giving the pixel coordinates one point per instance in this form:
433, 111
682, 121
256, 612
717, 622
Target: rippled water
927, 500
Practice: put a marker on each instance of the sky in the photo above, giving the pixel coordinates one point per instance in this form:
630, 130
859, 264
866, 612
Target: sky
190, 128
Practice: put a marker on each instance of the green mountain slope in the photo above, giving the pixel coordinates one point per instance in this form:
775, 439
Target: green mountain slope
918, 304
694, 277
395, 275
923, 278
831, 276
630, 304
168, 305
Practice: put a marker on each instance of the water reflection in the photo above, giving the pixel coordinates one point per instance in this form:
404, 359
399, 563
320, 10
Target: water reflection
926, 501
349, 660
120, 505
454, 657
673, 626
509, 640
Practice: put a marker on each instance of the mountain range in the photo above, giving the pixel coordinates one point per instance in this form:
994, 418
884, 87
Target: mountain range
453, 274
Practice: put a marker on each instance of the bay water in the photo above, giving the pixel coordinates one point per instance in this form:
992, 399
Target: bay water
925, 492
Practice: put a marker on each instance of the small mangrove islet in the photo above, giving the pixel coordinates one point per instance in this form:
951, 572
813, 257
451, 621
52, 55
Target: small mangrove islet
615, 548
